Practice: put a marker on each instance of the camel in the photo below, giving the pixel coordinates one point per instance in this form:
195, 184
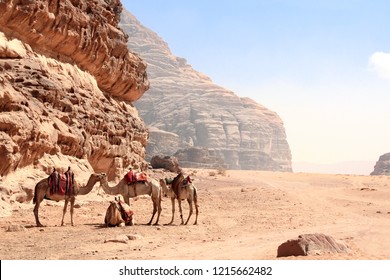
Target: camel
180, 192
150, 187
42, 191
119, 214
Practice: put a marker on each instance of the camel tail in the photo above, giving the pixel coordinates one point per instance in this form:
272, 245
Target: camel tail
35, 194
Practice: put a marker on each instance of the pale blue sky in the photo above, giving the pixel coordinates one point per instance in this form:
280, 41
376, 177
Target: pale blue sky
309, 61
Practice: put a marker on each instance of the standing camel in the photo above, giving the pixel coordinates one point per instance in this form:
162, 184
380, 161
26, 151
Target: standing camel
180, 192
42, 191
150, 187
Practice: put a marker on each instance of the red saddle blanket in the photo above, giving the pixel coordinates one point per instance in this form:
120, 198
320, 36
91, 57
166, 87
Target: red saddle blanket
61, 183
133, 177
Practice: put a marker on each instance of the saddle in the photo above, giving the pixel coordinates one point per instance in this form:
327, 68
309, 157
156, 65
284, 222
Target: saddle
133, 178
61, 183
136, 177
124, 209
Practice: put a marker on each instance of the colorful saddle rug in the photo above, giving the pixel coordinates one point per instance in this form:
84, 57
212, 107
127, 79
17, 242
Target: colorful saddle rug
61, 183
133, 177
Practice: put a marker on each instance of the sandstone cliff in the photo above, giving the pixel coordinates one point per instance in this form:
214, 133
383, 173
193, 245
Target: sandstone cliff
202, 124
67, 80
382, 166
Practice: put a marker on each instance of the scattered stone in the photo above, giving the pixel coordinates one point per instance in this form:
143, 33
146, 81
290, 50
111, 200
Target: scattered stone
124, 238
15, 228
134, 236
118, 239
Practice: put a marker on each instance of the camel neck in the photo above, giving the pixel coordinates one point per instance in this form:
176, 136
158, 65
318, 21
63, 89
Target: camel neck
88, 188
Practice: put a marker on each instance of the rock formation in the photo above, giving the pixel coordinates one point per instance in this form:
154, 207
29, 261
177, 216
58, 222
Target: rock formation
311, 244
168, 162
188, 114
67, 80
382, 166
81, 32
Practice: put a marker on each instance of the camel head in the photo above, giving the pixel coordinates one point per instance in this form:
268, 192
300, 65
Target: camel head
165, 184
102, 178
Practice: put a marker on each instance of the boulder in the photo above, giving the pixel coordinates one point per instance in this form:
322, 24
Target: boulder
311, 244
169, 163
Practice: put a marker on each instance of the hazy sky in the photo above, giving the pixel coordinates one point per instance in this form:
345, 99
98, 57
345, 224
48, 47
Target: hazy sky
323, 66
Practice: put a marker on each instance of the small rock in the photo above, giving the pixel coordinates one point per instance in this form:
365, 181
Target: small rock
118, 239
134, 236
14, 228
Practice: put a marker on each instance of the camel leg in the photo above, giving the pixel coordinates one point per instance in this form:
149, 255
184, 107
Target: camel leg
39, 195
181, 211
196, 212
159, 209
173, 210
154, 211
191, 210
36, 208
64, 210
72, 200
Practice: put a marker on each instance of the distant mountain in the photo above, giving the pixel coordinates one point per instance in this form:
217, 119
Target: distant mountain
346, 167
382, 166
199, 122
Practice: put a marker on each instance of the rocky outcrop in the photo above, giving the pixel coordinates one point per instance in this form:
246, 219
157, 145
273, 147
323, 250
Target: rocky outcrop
168, 162
382, 166
83, 32
66, 82
187, 112
311, 244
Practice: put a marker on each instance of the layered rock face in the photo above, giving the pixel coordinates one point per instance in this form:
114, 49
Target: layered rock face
66, 83
202, 124
83, 32
382, 166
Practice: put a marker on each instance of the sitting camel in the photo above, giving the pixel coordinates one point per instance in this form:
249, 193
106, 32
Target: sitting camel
43, 191
150, 187
181, 191
119, 214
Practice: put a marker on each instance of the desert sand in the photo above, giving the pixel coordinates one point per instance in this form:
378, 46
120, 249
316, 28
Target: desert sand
244, 215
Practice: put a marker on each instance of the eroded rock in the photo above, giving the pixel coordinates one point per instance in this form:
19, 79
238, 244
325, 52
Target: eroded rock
311, 244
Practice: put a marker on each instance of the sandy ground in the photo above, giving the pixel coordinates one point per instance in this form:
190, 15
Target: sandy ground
244, 215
